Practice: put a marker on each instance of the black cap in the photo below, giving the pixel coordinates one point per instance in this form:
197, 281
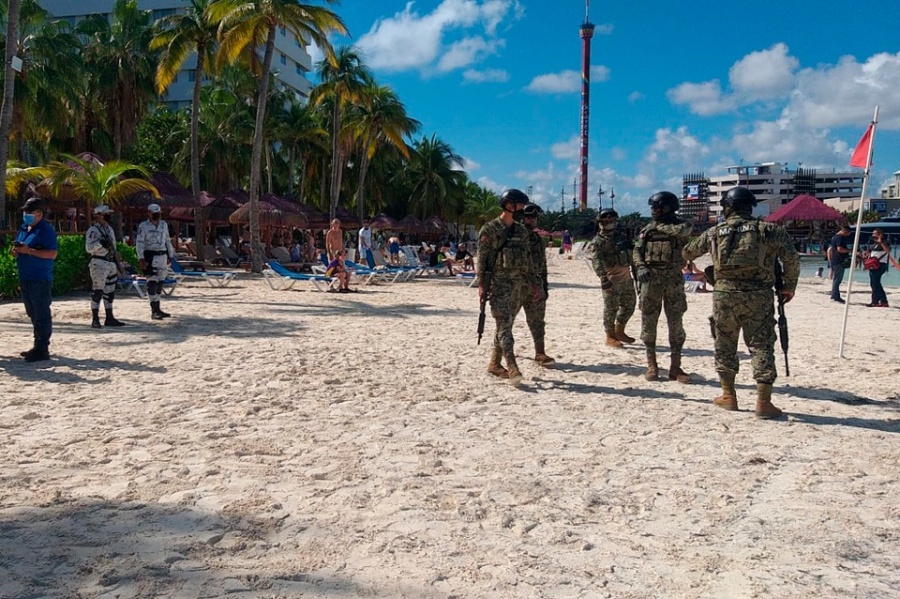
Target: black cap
34, 204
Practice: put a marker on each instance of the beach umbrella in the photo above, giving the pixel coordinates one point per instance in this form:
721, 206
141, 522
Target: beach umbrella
433, 224
172, 194
271, 213
411, 225
383, 221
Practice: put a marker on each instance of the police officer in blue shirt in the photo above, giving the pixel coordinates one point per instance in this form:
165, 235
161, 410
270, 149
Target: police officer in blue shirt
35, 250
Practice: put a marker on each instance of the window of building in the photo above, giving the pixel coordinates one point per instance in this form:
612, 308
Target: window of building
192, 74
283, 59
162, 12
298, 68
283, 30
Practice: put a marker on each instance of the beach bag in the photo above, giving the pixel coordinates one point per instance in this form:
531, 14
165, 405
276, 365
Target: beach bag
846, 261
872, 264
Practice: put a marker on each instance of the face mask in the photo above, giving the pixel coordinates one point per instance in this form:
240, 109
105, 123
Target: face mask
609, 225
518, 215
155, 217
28, 219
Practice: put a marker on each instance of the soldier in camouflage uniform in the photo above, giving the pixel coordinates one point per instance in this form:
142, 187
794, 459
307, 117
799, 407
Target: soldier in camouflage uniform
504, 251
610, 254
658, 261
744, 251
100, 243
535, 310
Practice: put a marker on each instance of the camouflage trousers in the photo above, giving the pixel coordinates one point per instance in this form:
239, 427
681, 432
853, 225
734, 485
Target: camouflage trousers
618, 305
752, 312
664, 291
535, 312
508, 295
104, 275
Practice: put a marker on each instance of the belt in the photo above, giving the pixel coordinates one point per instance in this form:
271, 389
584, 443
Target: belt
157, 252
104, 258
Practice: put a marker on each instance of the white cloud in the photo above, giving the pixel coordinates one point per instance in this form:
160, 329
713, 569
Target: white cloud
470, 165
704, 99
413, 41
677, 146
565, 81
605, 29
315, 53
567, 150
619, 154
489, 183
635, 97
764, 74
485, 76
781, 141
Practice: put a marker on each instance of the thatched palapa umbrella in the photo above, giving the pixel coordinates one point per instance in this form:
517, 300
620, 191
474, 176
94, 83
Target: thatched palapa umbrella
411, 225
384, 222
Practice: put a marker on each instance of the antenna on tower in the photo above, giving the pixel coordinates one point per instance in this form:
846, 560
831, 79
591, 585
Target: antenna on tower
587, 10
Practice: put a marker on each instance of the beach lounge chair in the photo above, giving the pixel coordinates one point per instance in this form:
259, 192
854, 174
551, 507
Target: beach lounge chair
280, 278
229, 255
138, 284
466, 278
214, 278
367, 275
404, 273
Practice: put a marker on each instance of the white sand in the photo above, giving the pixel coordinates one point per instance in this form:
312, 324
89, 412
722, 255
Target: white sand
302, 444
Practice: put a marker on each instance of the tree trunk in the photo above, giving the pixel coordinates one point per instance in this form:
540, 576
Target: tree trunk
268, 150
291, 171
199, 231
337, 162
363, 169
12, 35
256, 156
322, 190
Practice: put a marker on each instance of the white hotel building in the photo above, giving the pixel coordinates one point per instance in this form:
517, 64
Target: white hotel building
290, 64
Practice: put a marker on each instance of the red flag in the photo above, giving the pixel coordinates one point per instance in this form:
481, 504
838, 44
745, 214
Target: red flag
860, 156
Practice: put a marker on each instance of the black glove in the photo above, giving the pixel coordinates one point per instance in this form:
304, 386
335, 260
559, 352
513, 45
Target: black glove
643, 274
105, 243
605, 284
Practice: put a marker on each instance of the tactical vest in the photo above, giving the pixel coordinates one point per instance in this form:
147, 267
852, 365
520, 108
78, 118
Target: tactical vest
615, 250
658, 249
738, 251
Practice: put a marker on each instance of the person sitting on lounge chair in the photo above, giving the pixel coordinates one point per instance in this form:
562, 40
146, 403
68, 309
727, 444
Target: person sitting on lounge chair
692, 273
337, 269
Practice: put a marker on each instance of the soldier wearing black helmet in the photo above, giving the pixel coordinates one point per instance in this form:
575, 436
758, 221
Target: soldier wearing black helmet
610, 253
744, 251
536, 309
658, 262
504, 252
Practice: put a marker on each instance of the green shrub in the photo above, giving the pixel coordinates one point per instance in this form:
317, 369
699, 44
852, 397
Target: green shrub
70, 269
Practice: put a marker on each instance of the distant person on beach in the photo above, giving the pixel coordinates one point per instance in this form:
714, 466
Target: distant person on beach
567, 241
878, 250
155, 252
35, 249
100, 243
365, 245
334, 239
394, 246
536, 309
337, 268
692, 273
839, 258
744, 251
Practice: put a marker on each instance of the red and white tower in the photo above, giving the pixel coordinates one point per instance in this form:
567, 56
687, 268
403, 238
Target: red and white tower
587, 32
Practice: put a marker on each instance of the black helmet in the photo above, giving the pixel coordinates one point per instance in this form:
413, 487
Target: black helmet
739, 197
607, 214
533, 210
663, 199
514, 196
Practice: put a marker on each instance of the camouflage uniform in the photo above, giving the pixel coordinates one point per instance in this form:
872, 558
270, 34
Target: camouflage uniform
536, 309
659, 248
100, 243
744, 300
506, 253
611, 259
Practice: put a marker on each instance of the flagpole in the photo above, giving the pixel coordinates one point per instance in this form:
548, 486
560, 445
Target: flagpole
859, 213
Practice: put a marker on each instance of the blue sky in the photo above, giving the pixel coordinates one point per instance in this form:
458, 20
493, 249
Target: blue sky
676, 87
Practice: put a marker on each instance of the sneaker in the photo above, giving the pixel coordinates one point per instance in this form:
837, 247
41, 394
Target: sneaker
838, 300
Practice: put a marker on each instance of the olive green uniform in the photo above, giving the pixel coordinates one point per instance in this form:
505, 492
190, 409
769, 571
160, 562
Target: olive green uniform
536, 309
659, 248
744, 251
506, 253
611, 259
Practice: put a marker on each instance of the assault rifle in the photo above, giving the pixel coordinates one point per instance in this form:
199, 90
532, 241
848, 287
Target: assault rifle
486, 285
782, 319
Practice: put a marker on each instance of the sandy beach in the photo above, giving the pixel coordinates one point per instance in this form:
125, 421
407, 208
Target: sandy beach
300, 444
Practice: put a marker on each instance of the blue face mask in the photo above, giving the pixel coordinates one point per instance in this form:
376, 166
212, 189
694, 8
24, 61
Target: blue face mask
28, 219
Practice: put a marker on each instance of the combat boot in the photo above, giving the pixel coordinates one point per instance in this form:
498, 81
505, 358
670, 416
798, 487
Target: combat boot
612, 340
515, 375
728, 399
95, 318
764, 408
111, 320
541, 357
494, 366
155, 312
621, 336
675, 371
652, 368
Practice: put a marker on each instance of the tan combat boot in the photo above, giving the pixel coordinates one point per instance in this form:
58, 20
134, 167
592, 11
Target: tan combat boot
494, 366
652, 368
728, 399
612, 340
541, 357
764, 408
515, 375
675, 371
621, 336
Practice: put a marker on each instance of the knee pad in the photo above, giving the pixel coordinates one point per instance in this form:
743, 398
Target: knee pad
96, 296
151, 288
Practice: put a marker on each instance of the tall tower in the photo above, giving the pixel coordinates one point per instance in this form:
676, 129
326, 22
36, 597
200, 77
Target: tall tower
587, 32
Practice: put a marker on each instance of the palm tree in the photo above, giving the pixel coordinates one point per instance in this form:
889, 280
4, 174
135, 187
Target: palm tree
300, 132
18, 174
12, 33
178, 35
481, 204
435, 174
380, 119
343, 80
250, 25
99, 183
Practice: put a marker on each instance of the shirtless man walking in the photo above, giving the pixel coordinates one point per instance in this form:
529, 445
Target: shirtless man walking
334, 240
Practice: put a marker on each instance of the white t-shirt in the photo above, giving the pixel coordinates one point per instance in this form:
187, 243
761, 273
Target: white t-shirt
365, 240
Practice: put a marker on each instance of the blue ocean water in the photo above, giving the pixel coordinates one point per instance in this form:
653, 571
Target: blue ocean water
808, 268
